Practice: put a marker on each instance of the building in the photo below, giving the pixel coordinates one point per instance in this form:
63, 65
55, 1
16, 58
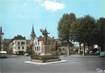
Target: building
37, 45
18, 45
6, 45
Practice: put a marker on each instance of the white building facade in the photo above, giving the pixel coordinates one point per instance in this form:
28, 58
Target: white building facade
18, 46
39, 47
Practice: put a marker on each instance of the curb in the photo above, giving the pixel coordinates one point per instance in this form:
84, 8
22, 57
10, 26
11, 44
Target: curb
30, 62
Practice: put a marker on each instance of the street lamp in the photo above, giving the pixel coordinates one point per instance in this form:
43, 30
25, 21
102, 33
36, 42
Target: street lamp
1, 33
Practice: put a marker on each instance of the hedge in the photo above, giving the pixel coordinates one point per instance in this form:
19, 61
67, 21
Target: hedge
44, 57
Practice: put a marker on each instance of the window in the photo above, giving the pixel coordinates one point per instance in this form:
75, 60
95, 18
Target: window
37, 43
22, 47
22, 43
37, 48
18, 47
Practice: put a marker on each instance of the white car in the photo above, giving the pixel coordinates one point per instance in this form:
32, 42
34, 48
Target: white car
3, 54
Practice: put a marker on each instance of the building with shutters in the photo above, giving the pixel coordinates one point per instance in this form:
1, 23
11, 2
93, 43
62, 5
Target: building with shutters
18, 45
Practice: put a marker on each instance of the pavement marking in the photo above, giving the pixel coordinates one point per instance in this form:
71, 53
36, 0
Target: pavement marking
30, 62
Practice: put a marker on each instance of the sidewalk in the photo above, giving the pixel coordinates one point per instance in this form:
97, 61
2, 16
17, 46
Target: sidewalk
82, 56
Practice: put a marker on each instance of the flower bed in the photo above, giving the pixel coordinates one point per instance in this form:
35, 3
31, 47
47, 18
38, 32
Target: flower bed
44, 58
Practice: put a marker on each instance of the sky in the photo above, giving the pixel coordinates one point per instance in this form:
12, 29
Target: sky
18, 16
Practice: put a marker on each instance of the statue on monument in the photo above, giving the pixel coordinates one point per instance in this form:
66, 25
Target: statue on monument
45, 34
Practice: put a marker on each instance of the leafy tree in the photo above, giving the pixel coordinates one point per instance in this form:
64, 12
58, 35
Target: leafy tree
75, 36
74, 31
29, 50
64, 27
101, 33
86, 30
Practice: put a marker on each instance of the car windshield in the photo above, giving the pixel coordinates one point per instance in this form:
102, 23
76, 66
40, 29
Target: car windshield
52, 36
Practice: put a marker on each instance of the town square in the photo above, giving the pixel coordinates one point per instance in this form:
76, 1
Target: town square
52, 36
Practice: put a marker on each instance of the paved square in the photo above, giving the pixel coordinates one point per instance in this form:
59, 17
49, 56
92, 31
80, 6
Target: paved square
72, 65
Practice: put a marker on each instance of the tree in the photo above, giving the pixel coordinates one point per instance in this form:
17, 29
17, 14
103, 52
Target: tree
64, 27
83, 30
74, 31
75, 36
101, 33
30, 50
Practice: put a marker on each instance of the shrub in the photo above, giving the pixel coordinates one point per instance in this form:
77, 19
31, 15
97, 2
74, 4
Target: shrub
44, 57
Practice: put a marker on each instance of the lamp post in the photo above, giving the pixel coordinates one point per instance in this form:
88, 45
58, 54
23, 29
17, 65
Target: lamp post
1, 33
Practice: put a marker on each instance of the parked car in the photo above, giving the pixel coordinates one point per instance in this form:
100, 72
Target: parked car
92, 51
3, 54
26, 54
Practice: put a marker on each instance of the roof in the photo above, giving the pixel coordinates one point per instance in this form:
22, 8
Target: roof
19, 37
28, 41
41, 39
7, 40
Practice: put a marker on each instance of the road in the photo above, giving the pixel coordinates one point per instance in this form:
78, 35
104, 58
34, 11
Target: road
73, 65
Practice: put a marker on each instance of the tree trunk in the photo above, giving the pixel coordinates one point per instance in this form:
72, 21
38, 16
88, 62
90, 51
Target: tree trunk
68, 51
79, 47
88, 47
68, 47
84, 48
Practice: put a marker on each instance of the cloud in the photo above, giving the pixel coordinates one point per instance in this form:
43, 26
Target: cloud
51, 5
